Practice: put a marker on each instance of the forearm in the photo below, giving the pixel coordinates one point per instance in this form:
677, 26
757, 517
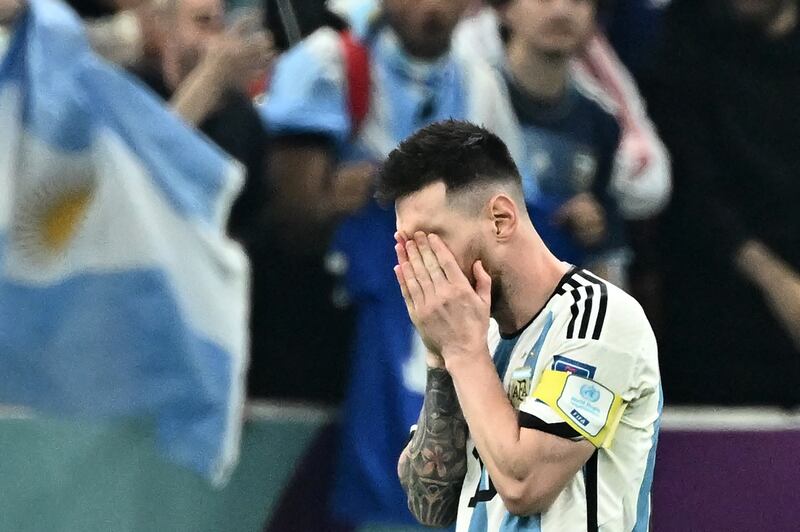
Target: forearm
762, 267
491, 418
433, 465
199, 94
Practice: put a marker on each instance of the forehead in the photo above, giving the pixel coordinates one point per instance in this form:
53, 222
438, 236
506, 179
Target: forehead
425, 210
191, 7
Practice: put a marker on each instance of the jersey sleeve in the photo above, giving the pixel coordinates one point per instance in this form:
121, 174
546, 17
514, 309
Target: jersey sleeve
598, 359
307, 92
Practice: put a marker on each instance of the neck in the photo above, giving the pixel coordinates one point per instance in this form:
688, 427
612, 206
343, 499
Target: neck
528, 283
541, 75
785, 21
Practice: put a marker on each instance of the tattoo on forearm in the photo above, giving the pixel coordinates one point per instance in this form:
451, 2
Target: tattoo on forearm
433, 465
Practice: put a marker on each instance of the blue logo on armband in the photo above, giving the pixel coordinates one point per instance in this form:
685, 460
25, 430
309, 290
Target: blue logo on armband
590, 393
562, 363
579, 418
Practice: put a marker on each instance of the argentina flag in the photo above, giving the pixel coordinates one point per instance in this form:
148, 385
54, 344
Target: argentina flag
120, 294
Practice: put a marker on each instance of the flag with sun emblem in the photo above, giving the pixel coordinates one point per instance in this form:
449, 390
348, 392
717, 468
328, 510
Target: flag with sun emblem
120, 295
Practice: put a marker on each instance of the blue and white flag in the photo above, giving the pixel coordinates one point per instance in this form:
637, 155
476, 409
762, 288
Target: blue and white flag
120, 295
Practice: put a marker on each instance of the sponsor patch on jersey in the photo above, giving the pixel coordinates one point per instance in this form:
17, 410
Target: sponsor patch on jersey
520, 386
587, 403
562, 363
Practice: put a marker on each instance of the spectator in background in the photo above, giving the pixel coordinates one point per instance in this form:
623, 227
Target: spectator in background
726, 96
640, 182
122, 31
398, 54
569, 140
204, 71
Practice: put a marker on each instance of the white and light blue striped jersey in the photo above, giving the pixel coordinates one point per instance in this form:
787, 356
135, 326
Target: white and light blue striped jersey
586, 365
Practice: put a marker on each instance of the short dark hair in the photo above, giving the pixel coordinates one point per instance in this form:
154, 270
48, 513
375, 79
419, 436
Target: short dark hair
460, 154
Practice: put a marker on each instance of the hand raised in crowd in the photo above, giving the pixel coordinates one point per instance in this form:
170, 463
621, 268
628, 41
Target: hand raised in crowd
351, 186
242, 53
231, 61
779, 283
585, 217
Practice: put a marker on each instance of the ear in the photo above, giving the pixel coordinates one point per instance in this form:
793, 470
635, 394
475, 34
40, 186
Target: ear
504, 216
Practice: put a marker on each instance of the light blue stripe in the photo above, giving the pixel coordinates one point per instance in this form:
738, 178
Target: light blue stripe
502, 355
108, 345
515, 523
479, 522
537, 347
643, 504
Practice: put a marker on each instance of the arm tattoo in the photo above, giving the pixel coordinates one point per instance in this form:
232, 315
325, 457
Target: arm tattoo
433, 465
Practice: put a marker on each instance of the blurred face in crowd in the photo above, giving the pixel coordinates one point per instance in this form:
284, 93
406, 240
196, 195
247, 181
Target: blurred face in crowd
425, 26
193, 24
758, 12
553, 27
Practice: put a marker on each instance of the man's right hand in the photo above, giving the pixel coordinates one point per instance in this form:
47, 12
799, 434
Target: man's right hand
585, 217
433, 360
779, 283
241, 54
351, 186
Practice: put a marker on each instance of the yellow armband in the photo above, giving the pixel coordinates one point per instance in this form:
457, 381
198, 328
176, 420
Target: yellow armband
587, 406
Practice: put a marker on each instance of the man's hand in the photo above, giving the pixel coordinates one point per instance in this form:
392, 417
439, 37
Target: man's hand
452, 318
779, 283
241, 54
351, 186
231, 61
585, 217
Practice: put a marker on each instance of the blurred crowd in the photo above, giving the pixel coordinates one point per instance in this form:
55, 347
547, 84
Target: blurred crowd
659, 144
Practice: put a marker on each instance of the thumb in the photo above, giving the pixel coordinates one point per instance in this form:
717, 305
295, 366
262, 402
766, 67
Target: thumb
483, 282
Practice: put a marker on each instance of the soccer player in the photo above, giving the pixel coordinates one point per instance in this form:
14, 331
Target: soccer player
543, 392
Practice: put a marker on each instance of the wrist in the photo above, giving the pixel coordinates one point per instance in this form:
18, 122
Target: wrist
434, 361
458, 359
213, 69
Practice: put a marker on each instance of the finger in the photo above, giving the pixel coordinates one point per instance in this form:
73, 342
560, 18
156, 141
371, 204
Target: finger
398, 272
401, 238
483, 282
446, 259
420, 271
412, 285
402, 256
429, 258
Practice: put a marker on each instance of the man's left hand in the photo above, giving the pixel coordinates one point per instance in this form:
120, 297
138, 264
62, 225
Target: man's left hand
450, 315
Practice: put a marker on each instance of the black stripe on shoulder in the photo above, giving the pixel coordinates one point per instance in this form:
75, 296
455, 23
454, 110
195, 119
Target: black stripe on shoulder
566, 279
562, 430
594, 284
601, 313
574, 309
587, 312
